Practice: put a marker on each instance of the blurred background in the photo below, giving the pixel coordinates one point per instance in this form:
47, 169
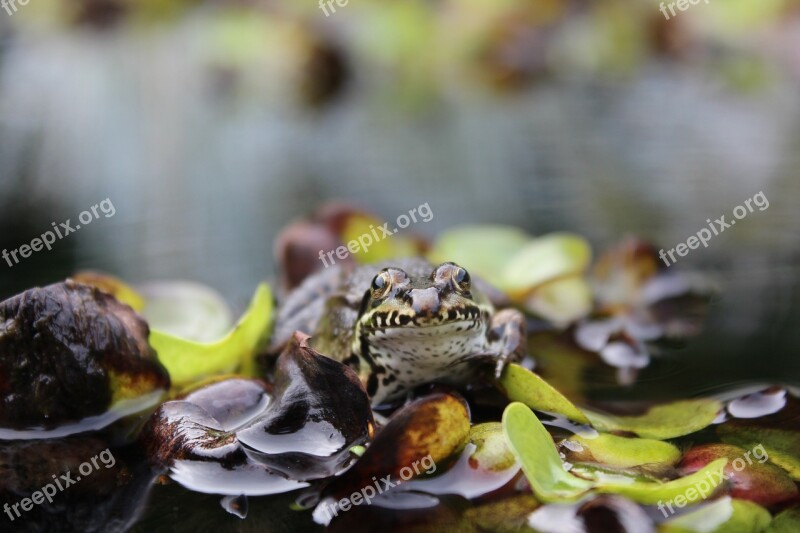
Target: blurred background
212, 124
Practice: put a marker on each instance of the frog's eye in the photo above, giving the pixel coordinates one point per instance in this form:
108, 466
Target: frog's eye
461, 278
380, 284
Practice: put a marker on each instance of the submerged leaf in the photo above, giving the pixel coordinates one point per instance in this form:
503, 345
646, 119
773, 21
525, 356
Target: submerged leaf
189, 361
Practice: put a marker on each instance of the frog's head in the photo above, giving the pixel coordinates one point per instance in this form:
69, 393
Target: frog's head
412, 325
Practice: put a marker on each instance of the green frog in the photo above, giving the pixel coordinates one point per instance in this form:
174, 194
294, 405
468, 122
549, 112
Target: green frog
402, 323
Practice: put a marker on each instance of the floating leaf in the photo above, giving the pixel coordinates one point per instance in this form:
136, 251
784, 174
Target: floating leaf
621, 452
486, 464
435, 427
189, 361
72, 359
483, 250
661, 422
726, 515
749, 474
510, 514
112, 285
786, 522
777, 433
492, 452
561, 301
319, 411
521, 385
532, 445
544, 259
187, 310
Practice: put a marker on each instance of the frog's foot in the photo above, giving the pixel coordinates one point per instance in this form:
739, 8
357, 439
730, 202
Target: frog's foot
508, 338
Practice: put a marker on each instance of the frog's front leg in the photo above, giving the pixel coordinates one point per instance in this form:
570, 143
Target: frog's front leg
507, 338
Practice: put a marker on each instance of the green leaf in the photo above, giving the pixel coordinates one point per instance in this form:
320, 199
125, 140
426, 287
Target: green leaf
623, 452
786, 522
521, 385
492, 451
483, 250
186, 310
547, 258
534, 448
662, 422
189, 361
782, 445
726, 515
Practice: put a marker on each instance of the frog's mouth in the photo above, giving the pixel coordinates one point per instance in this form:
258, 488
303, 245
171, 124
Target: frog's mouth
468, 318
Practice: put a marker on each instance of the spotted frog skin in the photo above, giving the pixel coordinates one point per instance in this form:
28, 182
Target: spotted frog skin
402, 324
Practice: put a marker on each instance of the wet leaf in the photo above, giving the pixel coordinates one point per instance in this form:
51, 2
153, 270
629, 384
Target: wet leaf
109, 284
786, 522
320, 410
492, 452
777, 432
510, 514
725, 515
73, 358
597, 513
203, 457
620, 452
486, 464
483, 250
521, 385
189, 361
662, 422
749, 474
434, 426
534, 448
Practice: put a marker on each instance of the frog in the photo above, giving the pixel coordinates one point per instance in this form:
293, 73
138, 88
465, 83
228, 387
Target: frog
403, 323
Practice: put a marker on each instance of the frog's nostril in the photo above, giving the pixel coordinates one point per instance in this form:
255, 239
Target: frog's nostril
425, 301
